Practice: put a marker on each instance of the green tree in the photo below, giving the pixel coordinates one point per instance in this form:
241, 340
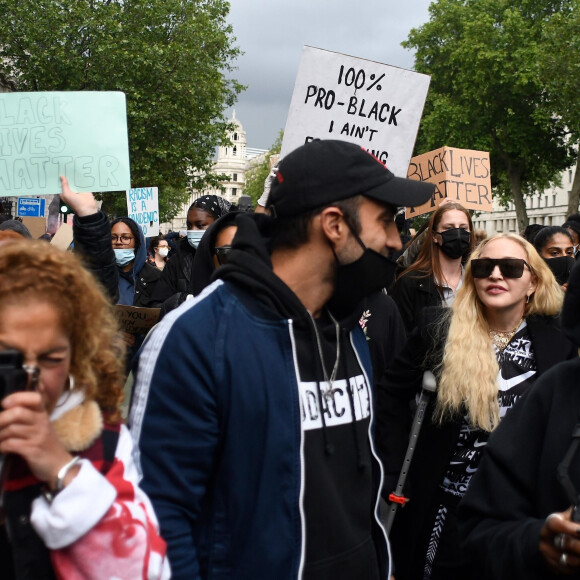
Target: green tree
256, 176
486, 91
170, 58
560, 73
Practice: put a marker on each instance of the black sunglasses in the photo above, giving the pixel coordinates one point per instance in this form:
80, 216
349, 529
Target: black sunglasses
509, 267
222, 253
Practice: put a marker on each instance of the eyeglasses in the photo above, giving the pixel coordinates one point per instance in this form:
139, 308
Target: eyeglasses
122, 239
222, 254
509, 267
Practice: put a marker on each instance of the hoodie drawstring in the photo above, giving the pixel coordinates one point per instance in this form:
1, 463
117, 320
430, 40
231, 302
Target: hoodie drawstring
357, 443
328, 447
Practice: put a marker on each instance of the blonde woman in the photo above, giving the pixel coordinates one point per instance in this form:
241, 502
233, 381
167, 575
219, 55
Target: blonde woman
500, 334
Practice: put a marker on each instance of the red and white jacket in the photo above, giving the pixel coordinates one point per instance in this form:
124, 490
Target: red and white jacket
101, 526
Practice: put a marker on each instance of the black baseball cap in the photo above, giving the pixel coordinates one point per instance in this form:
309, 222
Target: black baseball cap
321, 172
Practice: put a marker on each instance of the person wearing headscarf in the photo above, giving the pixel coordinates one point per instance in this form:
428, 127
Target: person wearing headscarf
213, 250
176, 282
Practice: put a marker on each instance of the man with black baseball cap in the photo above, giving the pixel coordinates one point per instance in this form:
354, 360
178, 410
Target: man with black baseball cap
253, 404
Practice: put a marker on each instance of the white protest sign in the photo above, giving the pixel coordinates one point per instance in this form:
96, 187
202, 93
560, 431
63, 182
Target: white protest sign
352, 99
143, 208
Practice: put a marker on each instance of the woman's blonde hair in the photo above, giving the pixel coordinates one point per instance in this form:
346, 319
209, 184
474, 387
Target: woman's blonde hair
469, 369
32, 271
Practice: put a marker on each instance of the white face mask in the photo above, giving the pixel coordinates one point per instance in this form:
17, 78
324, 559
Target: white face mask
163, 252
194, 237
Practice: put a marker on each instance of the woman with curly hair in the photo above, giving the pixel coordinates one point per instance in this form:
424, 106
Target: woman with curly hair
72, 505
499, 335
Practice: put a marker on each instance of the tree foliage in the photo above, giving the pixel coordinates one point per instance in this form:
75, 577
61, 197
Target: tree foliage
486, 92
559, 64
169, 57
256, 176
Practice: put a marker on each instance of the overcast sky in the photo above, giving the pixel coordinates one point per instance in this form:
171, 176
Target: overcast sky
271, 33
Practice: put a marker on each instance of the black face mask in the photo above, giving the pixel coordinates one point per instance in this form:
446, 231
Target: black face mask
455, 242
357, 280
561, 267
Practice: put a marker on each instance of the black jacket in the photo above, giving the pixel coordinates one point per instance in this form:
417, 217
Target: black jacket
395, 393
412, 293
384, 330
247, 356
516, 486
92, 240
145, 283
176, 280
203, 265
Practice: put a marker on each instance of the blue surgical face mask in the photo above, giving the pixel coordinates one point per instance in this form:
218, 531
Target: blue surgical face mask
194, 237
123, 257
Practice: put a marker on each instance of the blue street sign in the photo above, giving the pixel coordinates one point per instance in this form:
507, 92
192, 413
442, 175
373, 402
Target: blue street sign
31, 207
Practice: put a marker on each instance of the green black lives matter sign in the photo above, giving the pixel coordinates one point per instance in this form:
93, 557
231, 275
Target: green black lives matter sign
82, 135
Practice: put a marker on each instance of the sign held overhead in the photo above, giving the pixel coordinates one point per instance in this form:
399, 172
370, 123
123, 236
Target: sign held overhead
352, 99
461, 175
82, 135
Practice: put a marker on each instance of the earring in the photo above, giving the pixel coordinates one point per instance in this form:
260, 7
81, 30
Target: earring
528, 299
71, 383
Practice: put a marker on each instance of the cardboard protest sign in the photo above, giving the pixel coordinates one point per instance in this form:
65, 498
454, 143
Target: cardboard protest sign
36, 226
63, 237
352, 99
461, 175
136, 320
82, 135
143, 208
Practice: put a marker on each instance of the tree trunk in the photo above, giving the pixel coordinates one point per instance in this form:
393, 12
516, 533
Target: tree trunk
515, 178
574, 195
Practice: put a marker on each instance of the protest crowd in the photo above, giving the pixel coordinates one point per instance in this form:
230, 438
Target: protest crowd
318, 396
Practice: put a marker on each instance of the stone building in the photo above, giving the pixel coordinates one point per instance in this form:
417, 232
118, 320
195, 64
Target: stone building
233, 160
547, 208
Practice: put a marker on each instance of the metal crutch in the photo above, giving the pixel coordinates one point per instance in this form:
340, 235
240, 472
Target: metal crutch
397, 498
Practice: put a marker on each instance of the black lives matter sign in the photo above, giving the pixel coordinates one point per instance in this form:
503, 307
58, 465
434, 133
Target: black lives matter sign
461, 175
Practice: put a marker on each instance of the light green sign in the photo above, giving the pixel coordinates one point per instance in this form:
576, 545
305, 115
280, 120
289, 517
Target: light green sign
82, 135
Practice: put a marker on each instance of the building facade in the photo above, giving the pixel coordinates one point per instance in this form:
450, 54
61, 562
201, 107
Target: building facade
233, 161
547, 208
